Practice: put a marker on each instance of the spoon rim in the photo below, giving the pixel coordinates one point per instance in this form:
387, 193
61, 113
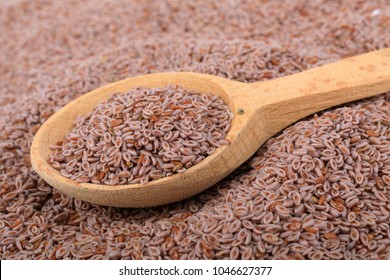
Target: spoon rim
70, 186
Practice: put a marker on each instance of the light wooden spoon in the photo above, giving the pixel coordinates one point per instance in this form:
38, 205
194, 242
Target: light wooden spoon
261, 110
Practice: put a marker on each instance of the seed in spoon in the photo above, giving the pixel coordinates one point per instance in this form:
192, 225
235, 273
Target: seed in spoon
143, 135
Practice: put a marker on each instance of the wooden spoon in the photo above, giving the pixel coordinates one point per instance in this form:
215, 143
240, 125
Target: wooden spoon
261, 110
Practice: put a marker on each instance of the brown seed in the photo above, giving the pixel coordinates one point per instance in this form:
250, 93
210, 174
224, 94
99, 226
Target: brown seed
115, 122
330, 235
311, 229
337, 205
295, 226
372, 133
322, 199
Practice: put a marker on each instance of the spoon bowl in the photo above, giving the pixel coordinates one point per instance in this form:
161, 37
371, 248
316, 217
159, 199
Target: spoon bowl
260, 110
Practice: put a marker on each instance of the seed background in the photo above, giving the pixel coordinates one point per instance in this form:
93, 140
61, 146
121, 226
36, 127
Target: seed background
53, 51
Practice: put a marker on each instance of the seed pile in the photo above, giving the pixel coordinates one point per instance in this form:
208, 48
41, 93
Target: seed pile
326, 193
143, 135
318, 190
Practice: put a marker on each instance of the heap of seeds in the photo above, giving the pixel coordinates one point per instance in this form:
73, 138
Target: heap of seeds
318, 190
143, 135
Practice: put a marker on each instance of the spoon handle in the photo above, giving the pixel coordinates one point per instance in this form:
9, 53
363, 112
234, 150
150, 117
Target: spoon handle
291, 98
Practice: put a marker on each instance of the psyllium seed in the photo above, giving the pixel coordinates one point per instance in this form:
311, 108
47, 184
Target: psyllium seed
339, 154
179, 116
